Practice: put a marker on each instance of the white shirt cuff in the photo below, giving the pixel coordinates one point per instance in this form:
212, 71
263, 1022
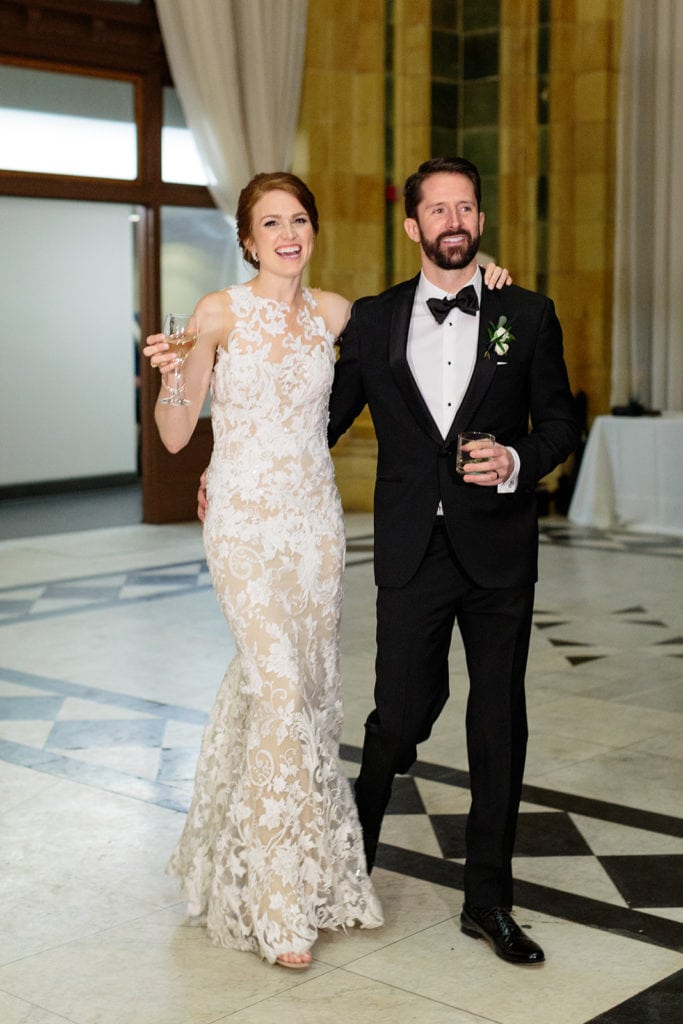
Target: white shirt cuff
509, 486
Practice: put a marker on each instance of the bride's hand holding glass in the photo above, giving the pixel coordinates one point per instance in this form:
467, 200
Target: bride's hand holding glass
168, 351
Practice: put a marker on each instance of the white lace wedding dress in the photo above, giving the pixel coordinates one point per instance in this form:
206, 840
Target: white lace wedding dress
272, 851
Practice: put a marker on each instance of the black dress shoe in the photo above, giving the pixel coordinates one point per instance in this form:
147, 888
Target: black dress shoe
502, 932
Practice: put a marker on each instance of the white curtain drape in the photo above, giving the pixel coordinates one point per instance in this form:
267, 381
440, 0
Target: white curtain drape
647, 339
237, 66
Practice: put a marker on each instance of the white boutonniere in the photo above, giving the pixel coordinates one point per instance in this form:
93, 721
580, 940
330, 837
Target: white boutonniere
500, 337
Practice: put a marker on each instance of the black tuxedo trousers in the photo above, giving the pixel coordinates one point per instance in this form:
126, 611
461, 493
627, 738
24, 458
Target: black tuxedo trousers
414, 628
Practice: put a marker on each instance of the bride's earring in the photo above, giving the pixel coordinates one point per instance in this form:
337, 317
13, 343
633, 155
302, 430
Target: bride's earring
254, 256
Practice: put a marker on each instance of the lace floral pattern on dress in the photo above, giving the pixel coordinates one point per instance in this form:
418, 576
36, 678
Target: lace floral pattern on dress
271, 850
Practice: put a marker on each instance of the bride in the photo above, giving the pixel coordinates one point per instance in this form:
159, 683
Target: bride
271, 851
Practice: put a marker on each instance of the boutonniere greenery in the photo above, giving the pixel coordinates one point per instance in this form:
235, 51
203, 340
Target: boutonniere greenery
500, 337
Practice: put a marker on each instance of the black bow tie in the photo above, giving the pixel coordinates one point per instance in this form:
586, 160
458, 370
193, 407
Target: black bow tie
466, 300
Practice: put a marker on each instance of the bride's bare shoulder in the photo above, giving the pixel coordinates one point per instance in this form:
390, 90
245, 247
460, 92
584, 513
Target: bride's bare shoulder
334, 308
215, 313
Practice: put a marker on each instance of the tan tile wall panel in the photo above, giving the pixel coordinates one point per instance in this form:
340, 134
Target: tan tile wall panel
412, 116
583, 110
518, 139
340, 151
340, 154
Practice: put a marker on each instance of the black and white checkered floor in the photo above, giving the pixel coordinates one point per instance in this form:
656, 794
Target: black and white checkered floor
112, 648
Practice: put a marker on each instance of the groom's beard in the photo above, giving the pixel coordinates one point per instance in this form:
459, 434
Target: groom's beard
453, 257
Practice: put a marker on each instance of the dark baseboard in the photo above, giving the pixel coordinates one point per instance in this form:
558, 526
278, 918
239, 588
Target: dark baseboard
71, 486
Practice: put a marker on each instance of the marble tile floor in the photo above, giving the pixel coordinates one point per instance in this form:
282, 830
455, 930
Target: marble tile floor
111, 650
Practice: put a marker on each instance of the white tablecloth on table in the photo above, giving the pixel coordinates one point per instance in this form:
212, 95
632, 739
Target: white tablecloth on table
631, 475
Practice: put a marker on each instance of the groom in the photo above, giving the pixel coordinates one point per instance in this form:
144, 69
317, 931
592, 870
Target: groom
455, 548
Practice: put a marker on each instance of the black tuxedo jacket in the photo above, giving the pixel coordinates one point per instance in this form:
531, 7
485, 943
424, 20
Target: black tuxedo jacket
523, 398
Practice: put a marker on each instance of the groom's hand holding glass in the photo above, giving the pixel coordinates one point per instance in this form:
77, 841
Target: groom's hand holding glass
480, 460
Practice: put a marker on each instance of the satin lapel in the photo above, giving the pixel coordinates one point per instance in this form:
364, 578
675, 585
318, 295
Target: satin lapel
398, 360
484, 369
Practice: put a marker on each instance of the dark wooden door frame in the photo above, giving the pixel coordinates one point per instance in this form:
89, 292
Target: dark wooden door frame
123, 41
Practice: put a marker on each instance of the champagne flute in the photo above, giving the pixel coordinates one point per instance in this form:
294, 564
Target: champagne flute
181, 335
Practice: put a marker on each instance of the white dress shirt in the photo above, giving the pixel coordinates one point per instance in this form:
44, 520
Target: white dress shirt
441, 358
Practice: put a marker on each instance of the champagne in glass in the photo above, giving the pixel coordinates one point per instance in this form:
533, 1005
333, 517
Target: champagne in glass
181, 335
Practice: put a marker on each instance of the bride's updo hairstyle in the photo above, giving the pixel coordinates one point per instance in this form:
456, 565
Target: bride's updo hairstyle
258, 187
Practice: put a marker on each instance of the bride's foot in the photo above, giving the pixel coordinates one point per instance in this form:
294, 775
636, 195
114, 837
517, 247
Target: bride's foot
295, 961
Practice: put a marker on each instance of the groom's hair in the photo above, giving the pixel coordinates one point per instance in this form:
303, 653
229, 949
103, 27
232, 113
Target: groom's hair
412, 190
